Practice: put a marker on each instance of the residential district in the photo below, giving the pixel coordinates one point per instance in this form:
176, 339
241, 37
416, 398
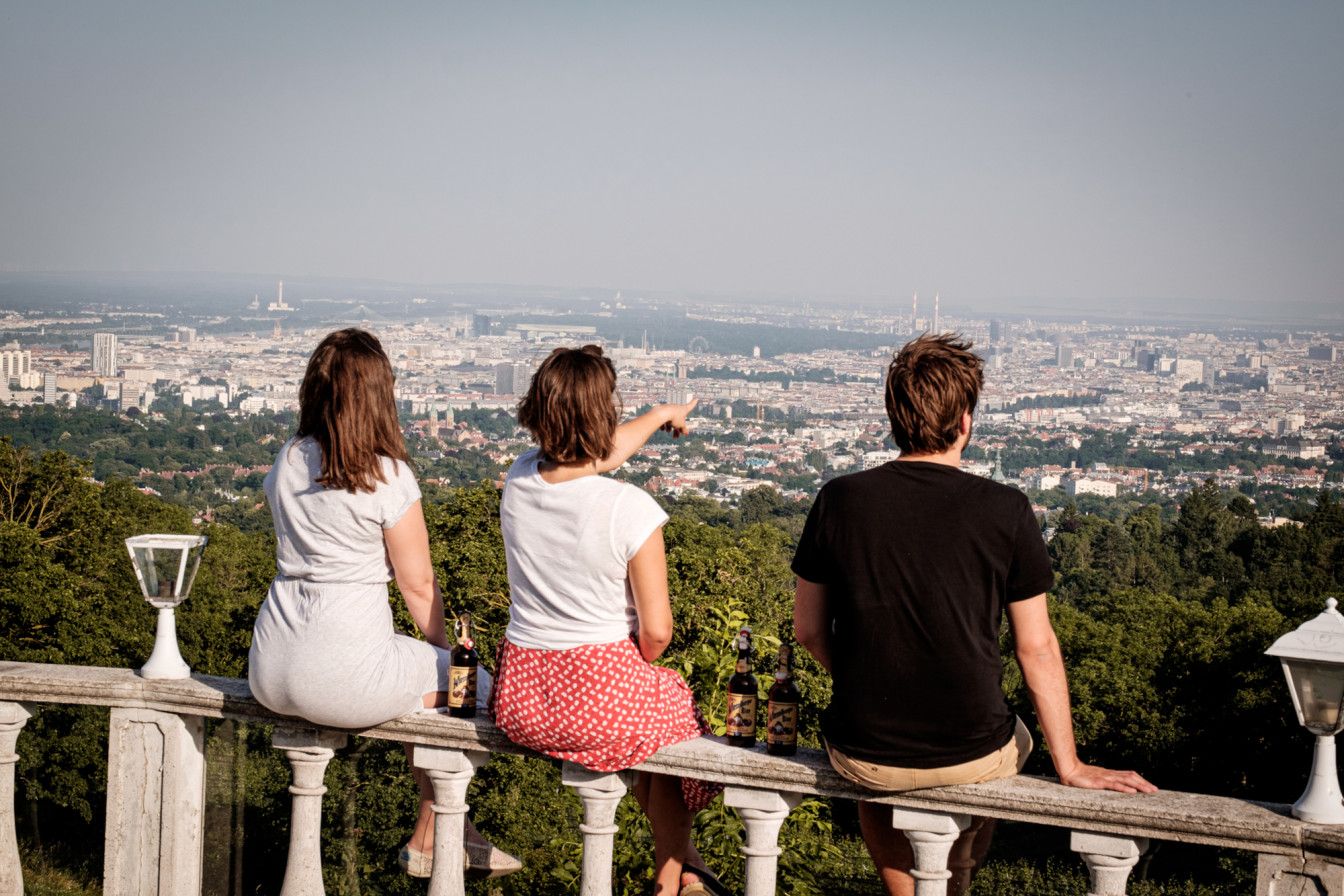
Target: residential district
1088, 409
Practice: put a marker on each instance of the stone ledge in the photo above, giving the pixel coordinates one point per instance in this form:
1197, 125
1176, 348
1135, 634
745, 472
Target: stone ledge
1168, 815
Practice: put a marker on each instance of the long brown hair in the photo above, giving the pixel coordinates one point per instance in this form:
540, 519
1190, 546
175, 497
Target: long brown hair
931, 382
347, 404
570, 406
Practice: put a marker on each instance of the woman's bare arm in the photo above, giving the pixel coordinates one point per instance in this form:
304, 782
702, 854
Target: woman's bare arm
648, 581
632, 434
408, 549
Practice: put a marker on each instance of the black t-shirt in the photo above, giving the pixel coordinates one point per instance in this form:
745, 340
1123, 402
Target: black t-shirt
918, 560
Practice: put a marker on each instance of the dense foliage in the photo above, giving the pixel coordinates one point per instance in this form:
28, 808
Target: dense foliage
1163, 619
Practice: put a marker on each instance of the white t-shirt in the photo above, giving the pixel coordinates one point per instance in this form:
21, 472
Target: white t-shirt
329, 534
568, 545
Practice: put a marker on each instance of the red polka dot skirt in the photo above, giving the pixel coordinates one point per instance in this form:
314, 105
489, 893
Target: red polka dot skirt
602, 706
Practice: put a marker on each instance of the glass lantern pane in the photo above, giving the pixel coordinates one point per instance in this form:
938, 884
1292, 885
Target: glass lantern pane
1320, 693
188, 570
166, 572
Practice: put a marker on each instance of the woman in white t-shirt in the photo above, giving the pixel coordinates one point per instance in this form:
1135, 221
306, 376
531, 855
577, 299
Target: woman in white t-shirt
589, 608
347, 520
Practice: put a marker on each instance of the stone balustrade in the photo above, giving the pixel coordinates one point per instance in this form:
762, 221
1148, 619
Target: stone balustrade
156, 767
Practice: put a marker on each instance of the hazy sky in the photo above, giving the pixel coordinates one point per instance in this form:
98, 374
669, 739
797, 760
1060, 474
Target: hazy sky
1192, 150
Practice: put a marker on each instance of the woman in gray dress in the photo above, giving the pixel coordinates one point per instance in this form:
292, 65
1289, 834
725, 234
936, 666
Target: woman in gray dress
347, 521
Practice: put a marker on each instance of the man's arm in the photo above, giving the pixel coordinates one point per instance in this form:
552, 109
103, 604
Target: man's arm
1042, 665
812, 620
632, 434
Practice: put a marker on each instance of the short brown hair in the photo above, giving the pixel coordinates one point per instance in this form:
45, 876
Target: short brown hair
347, 404
571, 405
931, 382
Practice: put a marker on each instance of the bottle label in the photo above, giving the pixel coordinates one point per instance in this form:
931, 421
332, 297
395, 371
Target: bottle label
461, 686
741, 715
782, 724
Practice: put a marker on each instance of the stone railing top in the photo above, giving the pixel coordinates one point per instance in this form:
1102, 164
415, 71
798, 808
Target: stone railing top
1167, 815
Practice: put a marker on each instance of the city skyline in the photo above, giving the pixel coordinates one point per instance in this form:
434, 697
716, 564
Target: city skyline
1172, 158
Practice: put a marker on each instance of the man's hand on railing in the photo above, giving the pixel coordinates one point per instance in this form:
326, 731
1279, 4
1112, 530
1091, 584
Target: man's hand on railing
1095, 777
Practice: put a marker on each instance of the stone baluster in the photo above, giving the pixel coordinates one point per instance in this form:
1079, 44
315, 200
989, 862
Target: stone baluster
13, 716
450, 772
763, 813
155, 803
308, 750
931, 836
601, 793
1109, 859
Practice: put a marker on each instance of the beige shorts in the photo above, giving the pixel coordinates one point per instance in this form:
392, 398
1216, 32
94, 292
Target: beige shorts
1002, 763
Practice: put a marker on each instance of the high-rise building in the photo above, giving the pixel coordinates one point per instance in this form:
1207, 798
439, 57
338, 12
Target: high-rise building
937, 315
914, 314
49, 388
480, 325
104, 354
1064, 356
1322, 353
15, 365
512, 379
995, 332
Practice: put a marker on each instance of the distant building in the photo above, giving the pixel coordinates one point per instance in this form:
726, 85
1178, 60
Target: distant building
1326, 353
1188, 370
1297, 448
15, 367
995, 332
512, 379
49, 389
480, 325
873, 459
279, 303
678, 392
1064, 356
104, 354
1087, 486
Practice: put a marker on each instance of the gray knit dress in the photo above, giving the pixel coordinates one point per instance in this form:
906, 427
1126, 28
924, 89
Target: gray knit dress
323, 647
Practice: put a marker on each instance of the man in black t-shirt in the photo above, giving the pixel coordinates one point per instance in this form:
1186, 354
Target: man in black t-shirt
904, 574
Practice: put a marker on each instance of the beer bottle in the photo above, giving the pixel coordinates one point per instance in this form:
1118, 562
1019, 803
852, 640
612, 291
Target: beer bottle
781, 714
742, 695
462, 672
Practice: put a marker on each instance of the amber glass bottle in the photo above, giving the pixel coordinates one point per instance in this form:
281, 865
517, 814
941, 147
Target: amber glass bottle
781, 714
462, 672
742, 695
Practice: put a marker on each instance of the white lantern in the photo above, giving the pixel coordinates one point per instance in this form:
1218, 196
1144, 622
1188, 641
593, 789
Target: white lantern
165, 566
1313, 663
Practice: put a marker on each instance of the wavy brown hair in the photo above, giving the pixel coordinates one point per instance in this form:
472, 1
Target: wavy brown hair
931, 382
571, 405
348, 406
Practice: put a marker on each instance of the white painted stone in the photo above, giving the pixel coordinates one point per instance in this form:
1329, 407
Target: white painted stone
308, 750
155, 803
13, 716
1109, 859
1193, 818
601, 793
931, 835
763, 813
450, 773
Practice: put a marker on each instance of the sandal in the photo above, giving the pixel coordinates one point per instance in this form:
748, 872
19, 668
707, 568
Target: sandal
707, 885
481, 860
